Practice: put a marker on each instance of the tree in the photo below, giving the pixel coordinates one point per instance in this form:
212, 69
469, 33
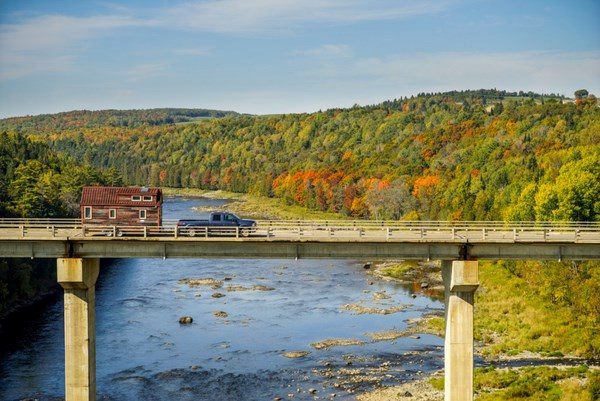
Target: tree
575, 195
391, 202
581, 94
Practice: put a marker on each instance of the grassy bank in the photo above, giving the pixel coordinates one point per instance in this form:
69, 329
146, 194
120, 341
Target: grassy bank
534, 383
517, 312
516, 317
260, 207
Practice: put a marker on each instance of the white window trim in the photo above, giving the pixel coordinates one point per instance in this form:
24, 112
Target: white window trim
136, 198
110, 212
143, 211
147, 200
85, 212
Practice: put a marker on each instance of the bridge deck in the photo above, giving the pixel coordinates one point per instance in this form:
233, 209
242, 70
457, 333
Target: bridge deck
305, 239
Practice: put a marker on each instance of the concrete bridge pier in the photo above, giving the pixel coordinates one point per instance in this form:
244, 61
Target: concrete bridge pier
78, 279
461, 279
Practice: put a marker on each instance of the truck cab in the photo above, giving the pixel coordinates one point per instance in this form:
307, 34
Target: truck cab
215, 221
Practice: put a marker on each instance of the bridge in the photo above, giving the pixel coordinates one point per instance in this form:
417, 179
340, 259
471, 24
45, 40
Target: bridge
459, 245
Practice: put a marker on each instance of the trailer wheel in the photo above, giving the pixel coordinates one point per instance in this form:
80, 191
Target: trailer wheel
119, 233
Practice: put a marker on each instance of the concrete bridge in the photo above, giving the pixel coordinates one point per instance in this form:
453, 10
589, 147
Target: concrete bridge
459, 245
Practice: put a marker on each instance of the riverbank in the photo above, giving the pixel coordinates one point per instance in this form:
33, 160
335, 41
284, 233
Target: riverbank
25, 283
252, 206
563, 383
508, 317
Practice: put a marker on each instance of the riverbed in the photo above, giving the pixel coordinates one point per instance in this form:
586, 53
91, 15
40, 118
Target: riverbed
244, 326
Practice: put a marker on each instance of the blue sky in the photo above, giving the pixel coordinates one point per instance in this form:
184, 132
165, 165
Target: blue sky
279, 56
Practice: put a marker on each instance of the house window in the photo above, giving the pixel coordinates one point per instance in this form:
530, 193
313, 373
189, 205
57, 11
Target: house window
147, 198
142, 214
136, 198
87, 212
112, 213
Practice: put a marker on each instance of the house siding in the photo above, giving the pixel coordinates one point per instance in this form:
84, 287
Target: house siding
127, 211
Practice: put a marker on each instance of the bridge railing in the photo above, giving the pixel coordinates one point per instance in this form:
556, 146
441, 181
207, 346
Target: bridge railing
320, 230
433, 224
10, 222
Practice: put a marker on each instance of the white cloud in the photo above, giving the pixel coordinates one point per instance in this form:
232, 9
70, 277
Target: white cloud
247, 16
531, 70
141, 72
192, 52
48, 43
327, 51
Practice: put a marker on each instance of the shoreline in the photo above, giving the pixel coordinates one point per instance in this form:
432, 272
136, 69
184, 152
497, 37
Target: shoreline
568, 373
253, 206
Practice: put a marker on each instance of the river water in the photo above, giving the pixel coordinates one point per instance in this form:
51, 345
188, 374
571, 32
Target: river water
143, 353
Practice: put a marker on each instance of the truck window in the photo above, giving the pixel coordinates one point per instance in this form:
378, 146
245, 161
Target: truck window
216, 217
230, 217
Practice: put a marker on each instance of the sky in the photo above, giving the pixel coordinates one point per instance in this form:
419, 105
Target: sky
282, 56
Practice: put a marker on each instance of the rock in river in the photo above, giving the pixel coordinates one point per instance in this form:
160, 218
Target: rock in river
295, 354
185, 320
220, 314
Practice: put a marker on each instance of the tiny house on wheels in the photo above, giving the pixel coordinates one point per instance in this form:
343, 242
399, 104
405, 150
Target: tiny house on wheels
121, 206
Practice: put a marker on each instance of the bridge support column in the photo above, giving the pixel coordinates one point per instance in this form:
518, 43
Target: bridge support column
78, 279
460, 282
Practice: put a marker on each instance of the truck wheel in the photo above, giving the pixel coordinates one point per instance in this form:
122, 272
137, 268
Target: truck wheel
192, 232
245, 232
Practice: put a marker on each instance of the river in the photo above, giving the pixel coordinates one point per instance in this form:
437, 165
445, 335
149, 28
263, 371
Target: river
143, 353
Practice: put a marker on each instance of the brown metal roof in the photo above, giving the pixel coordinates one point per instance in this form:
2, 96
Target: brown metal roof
109, 196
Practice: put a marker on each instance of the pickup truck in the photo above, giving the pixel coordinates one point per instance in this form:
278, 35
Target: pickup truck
218, 223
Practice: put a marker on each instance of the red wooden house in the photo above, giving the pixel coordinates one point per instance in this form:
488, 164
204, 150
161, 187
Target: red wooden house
121, 206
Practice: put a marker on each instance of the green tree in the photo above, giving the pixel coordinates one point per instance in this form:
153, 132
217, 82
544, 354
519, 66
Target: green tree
575, 195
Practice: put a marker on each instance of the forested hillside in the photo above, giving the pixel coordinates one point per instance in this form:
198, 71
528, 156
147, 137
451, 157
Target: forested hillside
488, 155
460, 155
37, 182
106, 118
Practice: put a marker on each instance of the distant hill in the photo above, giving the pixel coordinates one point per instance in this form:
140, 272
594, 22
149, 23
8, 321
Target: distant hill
106, 118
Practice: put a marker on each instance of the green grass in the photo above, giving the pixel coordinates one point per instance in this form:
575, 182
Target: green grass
511, 317
514, 314
399, 270
541, 383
